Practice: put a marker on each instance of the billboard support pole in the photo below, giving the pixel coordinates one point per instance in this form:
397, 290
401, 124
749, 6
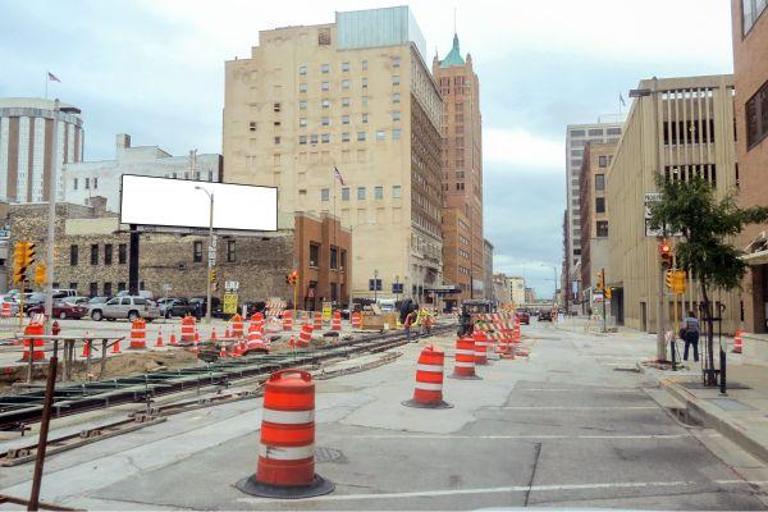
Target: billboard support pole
133, 261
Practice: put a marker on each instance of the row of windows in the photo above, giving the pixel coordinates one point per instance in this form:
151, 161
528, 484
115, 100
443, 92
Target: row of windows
378, 193
688, 132
595, 132
346, 66
107, 288
187, 175
197, 251
89, 183
345, 84
345, 119
757, 116
122, 254
362, 136
338, 258
601, 228
686, 172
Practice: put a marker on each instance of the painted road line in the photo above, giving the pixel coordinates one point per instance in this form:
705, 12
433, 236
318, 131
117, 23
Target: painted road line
521, 488
523, 436
578, 407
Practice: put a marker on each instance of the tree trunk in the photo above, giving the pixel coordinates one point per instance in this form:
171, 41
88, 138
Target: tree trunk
709, 377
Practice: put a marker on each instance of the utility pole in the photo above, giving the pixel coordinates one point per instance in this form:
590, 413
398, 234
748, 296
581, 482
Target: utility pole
211, 254
375, 284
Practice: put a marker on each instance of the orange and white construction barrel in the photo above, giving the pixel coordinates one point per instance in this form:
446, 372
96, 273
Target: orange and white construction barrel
286, 464
428, 392
138, 334
464, 365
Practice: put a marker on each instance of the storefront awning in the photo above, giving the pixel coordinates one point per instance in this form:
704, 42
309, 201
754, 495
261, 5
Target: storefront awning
756, 258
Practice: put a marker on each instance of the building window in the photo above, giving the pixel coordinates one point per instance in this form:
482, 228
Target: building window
325, 86
378, 192
277, 140
757, 117
325, 194
396, 97
121, 286
395, 115
596, 132
380, 135
314, 255
302, 139
276, 107
396, 133
460, 186
613, 131
302, 104
361, 136
324, 37
345, 194
325, 68
600, 205
72, 286
303, 69
365, 83
94, 254
396, 191
345, 137
602, 161
364, 65
345, 119
197, 251
93, 289
334, 258
602, 228
325, 103
75, 184
303, 87
364, 117
107, 254
395, 79
345, 83
325, 138
599, 181
107, 287
231, 251
396, 62
122, 253
325, 121
345, 66
87, 183
73, 254
365, 101
345, 102
360, 193
751, 11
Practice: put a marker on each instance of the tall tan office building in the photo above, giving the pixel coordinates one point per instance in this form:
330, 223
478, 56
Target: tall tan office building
462, 175
679, 127
355, 95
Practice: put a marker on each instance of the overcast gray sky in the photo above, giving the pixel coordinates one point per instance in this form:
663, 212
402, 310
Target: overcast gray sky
155, 69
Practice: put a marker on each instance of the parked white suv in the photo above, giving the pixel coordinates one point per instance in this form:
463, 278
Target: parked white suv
126, 307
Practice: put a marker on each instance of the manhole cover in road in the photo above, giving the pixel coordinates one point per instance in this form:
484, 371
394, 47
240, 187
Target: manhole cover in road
325, 454
730, 404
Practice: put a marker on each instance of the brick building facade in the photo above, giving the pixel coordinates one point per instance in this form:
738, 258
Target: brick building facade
91, 254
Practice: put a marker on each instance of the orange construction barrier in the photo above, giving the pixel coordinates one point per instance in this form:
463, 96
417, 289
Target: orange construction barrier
336, 321
318, 321
213, 334
257, 322
188, 329
33, 347
237, 326
138, 334
481, 347
6, 311
738, 342
464, 367
357, 320
305, 336
286, 465
173, 338
159, 340
86, 348
116, 346
255, 340
428, 392
287, 320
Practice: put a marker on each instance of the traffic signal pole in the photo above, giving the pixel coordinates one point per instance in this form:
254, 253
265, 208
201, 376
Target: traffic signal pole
50, 240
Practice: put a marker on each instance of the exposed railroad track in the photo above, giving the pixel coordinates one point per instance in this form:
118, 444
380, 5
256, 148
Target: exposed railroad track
19, 410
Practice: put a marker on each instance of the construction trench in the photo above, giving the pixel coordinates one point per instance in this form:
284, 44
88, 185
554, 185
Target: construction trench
204, 384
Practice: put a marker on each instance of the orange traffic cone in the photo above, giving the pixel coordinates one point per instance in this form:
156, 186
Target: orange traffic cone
213, 334
86, 347
222, 351
292, 342
738, 342
173, 339
159, 341
227, 334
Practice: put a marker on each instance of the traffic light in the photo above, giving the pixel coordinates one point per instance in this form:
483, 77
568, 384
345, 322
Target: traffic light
292, 278
23, 257
668, 276
665, 250
40, 274
601, 281
608, 293
213, 275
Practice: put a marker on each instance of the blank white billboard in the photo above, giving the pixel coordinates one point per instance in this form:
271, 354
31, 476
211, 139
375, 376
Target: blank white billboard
145, 200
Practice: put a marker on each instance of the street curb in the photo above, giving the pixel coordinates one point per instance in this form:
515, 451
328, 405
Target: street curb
709, 416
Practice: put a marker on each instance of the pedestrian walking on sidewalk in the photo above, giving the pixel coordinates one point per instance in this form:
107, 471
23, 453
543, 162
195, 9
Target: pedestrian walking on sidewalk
689, 332
410, 319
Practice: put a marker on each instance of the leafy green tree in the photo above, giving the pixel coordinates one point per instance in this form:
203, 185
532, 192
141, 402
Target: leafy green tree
707, 226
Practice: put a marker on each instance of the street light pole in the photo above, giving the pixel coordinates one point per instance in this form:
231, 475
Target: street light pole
211, 254
375, 284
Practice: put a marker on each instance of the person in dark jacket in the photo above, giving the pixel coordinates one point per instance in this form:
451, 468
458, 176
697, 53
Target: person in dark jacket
689, 332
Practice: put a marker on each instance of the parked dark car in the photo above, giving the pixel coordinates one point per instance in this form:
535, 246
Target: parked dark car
176, 306
524, 316
545, 315
61, 309
33, 299
200, 307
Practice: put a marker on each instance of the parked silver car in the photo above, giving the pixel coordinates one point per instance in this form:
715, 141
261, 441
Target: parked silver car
126, 307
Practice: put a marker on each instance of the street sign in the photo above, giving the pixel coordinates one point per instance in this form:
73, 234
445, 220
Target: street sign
232, 286
597, 297
649, 199
327, 312
230, 303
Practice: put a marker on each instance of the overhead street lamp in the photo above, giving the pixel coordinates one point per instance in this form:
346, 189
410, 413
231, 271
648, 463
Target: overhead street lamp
57, 111
211, 254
